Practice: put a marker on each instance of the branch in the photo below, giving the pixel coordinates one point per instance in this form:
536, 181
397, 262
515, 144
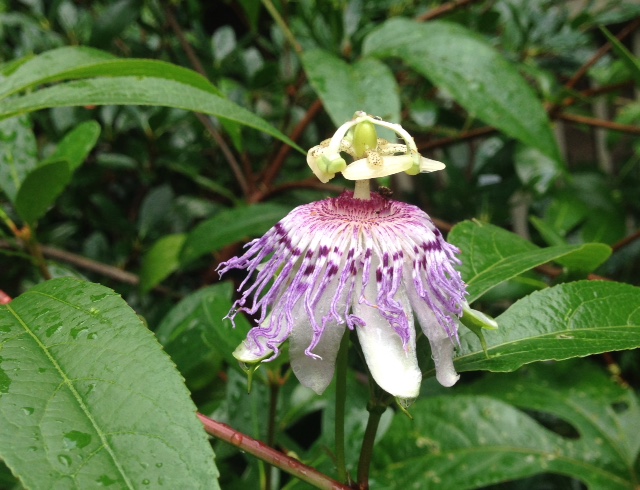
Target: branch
90, 265
626, 241
273, 169
444, 9
269, 455
206, 122
600, 123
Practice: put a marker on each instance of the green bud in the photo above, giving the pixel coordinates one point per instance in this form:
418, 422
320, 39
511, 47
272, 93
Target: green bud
332, 163
365, 138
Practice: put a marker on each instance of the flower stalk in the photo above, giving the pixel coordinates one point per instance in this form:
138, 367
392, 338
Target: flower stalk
341, 400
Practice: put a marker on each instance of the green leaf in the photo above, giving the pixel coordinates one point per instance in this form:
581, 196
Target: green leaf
113, 20
536, 170
18, 153
40, 189
631, 61
77, 144
140, 90
194, 332
472, 441
556, 388
88, 397
229, 227
366, 85
161, 260
70, 63
472, 71
575, 319
491, 255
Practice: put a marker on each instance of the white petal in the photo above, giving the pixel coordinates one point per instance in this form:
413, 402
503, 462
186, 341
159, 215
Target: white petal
394, 367
316, 372
313, 156
428, 165
361, 169
441, 344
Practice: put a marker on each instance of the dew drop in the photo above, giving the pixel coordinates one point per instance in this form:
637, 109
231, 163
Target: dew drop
5, 329
105, 481
5, 381
76, 440
52, 329
42, 370
146, 481
64, 460
158, 465
94, 311
97, 297
75, 331
92, 336
28, 410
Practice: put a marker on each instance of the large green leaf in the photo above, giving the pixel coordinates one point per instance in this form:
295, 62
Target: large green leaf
582, 394
69, 63
88, 398
229, 227
18, 153
466, 442
41, 187
491, 255
367, 85
137, 90
472, 71
569, 320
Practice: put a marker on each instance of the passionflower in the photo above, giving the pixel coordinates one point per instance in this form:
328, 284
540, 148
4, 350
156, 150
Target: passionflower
360, 261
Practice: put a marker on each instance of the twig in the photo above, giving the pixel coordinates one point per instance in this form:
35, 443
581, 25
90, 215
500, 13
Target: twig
626, 241
197, 65
487, 130
91, 265
269, 455
600, 123
599, 54
273, 169
444, 9
582, 71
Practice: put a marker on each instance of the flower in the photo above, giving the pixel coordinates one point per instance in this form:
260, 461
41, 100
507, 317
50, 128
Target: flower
363, 264
374, 157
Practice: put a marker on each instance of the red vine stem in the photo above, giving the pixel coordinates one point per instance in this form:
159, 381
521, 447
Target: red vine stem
269, 455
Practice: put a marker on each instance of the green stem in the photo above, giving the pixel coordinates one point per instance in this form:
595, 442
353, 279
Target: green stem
341, 399
273, 11
375, 409
274, 392
9, 222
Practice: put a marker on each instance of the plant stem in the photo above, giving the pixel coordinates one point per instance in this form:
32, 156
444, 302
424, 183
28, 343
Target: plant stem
375, 409
274, 392
275, 15
361, 190
269, 455
341, 399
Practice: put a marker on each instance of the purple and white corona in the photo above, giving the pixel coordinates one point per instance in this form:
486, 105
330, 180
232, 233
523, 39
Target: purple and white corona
358, 261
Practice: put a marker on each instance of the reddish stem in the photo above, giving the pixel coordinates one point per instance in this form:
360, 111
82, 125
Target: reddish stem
269, 455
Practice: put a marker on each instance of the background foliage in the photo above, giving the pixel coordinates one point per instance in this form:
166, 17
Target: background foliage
143, 142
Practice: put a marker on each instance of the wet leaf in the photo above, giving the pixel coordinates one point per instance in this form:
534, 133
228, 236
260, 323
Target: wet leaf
90, 399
